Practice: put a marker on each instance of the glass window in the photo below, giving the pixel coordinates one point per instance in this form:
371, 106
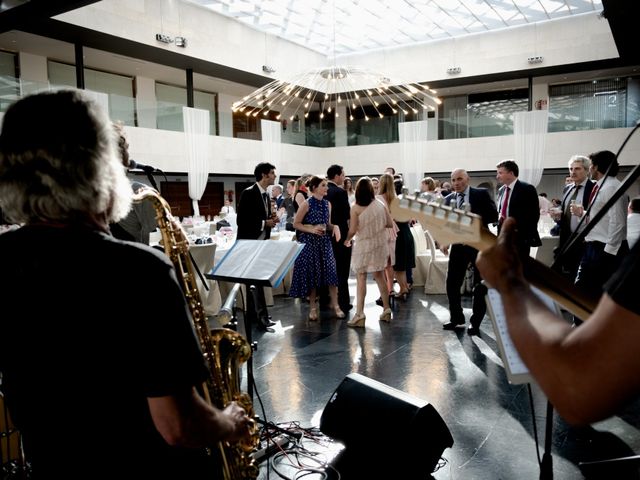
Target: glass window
320, 132
609, 103
171, 99
119, 88
368, 128
9, 84
481, 114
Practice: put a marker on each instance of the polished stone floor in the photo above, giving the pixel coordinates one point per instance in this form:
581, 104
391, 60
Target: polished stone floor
299, 365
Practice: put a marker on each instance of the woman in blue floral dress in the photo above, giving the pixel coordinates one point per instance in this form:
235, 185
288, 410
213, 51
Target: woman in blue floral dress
315, 266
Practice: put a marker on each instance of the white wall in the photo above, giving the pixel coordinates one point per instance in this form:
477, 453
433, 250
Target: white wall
166, 150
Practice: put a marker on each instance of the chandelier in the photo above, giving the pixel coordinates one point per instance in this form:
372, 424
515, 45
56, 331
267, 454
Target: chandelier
363, 93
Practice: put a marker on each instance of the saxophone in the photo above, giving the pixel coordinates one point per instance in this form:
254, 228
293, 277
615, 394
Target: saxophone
223, 349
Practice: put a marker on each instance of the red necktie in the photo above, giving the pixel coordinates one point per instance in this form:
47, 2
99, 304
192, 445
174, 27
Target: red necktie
505, 202
594, 191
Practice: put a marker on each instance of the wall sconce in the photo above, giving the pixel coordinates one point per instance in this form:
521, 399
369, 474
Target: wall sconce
268, 69
533, 60
454, 70
181, 42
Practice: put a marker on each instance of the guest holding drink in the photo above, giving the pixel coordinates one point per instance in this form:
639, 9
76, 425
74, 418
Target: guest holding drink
315, 266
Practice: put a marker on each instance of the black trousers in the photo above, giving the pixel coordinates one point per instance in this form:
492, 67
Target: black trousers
459, 258
342, 255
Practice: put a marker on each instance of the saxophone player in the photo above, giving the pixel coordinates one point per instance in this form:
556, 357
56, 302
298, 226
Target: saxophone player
97, 389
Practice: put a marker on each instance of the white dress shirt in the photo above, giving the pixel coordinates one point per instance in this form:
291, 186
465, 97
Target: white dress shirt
612, 228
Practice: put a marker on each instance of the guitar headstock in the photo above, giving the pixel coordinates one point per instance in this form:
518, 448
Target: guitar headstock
446, 224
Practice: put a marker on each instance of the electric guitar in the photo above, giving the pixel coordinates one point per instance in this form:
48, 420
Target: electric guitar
450, 225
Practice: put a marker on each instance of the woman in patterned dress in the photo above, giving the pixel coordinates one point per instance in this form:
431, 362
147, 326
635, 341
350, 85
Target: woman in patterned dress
369, 220
315, 266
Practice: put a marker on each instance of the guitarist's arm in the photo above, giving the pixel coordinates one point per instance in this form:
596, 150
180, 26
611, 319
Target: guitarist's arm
587, 372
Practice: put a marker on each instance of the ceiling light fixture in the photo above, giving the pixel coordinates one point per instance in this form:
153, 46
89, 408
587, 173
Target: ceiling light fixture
331, 87
360, 91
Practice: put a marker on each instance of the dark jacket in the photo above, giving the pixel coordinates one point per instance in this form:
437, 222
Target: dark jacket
251, 214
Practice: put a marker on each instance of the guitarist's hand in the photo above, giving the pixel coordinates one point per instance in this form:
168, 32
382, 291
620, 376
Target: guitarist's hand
500, 265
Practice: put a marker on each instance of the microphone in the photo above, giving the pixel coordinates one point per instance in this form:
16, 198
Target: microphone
139, 166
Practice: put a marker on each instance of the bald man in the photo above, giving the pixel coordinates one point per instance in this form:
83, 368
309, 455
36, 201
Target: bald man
461, 255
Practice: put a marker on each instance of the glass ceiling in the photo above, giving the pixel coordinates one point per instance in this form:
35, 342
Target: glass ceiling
362, 25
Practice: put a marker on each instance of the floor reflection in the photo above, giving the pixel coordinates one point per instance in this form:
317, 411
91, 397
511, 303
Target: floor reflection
299, 366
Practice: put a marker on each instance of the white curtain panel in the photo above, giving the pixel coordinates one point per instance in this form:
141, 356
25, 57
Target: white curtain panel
272, 145
196, 132
413, 142
530, 137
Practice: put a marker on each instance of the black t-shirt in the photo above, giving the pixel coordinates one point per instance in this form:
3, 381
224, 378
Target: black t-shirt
622, 286
79, 361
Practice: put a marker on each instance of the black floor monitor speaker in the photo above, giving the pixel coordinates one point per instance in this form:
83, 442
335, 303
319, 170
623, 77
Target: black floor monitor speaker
382, 424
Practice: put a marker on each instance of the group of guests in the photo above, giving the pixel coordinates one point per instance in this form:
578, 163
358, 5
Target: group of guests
340, 237
343, 235
591, 261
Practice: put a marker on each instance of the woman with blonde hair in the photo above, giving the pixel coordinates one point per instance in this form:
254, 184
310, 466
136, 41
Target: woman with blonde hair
369, 219
386, 194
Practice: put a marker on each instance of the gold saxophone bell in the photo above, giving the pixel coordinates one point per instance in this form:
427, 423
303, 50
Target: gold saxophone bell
224, 349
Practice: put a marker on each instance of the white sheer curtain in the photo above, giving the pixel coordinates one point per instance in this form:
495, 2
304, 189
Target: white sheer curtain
196, 132
272, 146
413, 142
530, 137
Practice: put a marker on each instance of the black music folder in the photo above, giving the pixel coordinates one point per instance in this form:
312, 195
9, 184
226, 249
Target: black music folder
257, 262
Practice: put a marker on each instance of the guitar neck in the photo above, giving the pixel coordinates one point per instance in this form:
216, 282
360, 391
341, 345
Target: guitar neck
450, 225
552, 283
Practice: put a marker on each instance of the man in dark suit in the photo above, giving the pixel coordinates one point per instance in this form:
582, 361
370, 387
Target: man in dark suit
255, 221
461, 255
577, 192
340, 214
519, 200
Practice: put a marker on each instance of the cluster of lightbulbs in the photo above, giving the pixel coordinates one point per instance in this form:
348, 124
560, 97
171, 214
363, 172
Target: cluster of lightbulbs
333, 87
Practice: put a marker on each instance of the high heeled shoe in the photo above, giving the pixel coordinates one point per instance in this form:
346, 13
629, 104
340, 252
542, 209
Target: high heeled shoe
403, 295
357, 320
313, 314
385, 316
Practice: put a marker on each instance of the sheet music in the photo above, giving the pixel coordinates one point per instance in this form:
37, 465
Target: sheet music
517, 371
263, 261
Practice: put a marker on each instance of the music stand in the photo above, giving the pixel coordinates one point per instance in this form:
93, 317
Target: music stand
256, 264
517, 371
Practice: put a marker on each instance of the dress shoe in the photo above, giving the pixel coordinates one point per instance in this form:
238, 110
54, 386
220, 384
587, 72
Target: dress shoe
313, 314
379, 301
452, 325
471, 330
346, 308
338, 312
385, 316
264, 326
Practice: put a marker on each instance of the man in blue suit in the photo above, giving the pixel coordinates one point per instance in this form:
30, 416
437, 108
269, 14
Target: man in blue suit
461, 255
